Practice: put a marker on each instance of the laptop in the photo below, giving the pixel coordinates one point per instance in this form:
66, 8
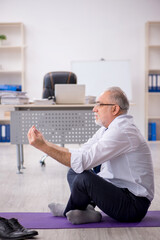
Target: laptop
70, 93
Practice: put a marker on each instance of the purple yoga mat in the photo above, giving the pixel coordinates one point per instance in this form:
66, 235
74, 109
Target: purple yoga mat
39, 220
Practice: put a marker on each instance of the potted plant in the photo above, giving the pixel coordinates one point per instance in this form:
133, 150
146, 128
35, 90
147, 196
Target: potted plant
2, 37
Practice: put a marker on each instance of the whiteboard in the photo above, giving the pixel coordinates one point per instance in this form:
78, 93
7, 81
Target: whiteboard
100, 75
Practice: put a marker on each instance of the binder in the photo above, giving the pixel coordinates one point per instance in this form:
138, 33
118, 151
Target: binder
149, 131
152, 131
158, 83
154, 87
0, 133
150, 84
10, 87
3, 132
8, 133
154, 82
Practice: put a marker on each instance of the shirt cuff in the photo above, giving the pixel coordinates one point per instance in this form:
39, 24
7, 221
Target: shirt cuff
76, 160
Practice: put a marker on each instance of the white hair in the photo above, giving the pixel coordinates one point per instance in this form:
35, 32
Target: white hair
119, 97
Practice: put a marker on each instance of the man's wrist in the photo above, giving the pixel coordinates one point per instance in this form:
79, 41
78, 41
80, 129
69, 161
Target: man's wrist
44, 146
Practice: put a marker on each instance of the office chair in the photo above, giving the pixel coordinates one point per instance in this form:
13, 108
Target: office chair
52, 78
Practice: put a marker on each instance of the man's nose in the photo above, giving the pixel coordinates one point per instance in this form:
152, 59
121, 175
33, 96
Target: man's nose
94, 109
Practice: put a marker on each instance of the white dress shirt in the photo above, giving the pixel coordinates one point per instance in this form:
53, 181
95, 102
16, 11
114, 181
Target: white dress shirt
124, 155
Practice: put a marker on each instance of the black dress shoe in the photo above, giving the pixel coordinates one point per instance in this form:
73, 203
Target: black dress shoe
19, 228
7, 232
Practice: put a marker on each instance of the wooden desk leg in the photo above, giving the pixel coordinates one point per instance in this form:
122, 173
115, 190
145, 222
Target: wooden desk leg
18, 158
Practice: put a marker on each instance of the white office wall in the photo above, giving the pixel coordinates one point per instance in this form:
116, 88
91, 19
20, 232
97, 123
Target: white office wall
60, 31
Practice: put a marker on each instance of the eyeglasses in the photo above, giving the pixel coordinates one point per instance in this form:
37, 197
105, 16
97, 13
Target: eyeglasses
103, 104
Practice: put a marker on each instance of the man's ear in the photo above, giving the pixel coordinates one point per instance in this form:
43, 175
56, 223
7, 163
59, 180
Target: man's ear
115, 110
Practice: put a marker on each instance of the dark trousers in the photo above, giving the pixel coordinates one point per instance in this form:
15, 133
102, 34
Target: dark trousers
117, 203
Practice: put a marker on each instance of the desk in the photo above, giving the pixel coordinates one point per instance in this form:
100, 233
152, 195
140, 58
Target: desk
60, 124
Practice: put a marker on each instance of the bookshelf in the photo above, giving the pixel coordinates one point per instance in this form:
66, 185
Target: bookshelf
12, 54
11, 62
152, 82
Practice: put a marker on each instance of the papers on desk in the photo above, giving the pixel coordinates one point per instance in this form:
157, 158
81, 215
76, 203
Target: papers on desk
13, 98
90, 99
44, 101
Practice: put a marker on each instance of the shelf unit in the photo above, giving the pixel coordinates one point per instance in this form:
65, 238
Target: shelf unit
152, 68
11, 59
12, 54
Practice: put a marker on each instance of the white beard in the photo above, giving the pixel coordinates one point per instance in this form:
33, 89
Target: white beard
99, 122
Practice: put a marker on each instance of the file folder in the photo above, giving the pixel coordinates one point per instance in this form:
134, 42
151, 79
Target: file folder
154, 82
0, 133
5, 133
152, 133
10, 87
150, 84
149, 131
8, 133
158, 82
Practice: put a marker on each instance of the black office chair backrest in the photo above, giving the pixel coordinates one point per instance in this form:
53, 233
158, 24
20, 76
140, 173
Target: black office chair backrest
52, 78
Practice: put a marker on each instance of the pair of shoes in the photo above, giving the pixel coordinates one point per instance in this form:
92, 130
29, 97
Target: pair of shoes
12, 229
18, 227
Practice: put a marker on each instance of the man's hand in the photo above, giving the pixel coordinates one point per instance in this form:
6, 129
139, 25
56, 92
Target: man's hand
36, 138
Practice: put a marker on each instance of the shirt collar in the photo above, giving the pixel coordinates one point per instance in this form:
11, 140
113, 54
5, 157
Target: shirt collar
122, 116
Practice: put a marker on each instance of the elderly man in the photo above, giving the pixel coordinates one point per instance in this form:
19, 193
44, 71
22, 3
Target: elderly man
124, 187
